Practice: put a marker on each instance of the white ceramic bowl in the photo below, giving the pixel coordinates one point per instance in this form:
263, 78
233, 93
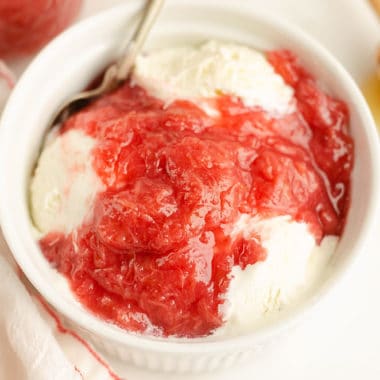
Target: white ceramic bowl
68, 64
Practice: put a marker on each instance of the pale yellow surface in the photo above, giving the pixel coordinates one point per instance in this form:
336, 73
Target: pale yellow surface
371, 91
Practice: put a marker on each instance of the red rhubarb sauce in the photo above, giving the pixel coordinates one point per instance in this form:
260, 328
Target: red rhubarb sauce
158, 249
27, 25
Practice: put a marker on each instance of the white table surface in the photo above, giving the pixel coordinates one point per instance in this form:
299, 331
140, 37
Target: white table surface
341, 341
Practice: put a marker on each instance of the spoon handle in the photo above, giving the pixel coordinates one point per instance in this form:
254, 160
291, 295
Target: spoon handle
126, 62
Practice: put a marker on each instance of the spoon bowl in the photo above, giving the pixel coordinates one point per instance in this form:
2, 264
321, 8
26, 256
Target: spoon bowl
117, 72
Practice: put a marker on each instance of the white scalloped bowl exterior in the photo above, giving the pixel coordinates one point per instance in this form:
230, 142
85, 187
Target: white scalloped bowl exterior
67, 64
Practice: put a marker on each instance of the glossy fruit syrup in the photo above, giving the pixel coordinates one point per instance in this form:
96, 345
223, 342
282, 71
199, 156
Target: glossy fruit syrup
157, 252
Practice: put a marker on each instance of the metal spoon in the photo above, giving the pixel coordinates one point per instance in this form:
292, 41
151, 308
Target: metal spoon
117, 72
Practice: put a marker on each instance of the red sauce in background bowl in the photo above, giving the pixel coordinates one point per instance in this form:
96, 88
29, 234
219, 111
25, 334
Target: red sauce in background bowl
27, 25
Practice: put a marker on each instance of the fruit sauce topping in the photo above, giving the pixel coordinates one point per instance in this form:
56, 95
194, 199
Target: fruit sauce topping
156, 251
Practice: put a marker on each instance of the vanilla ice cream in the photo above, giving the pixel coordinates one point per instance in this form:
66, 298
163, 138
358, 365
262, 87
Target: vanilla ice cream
294, 265
214, 68
64, 184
